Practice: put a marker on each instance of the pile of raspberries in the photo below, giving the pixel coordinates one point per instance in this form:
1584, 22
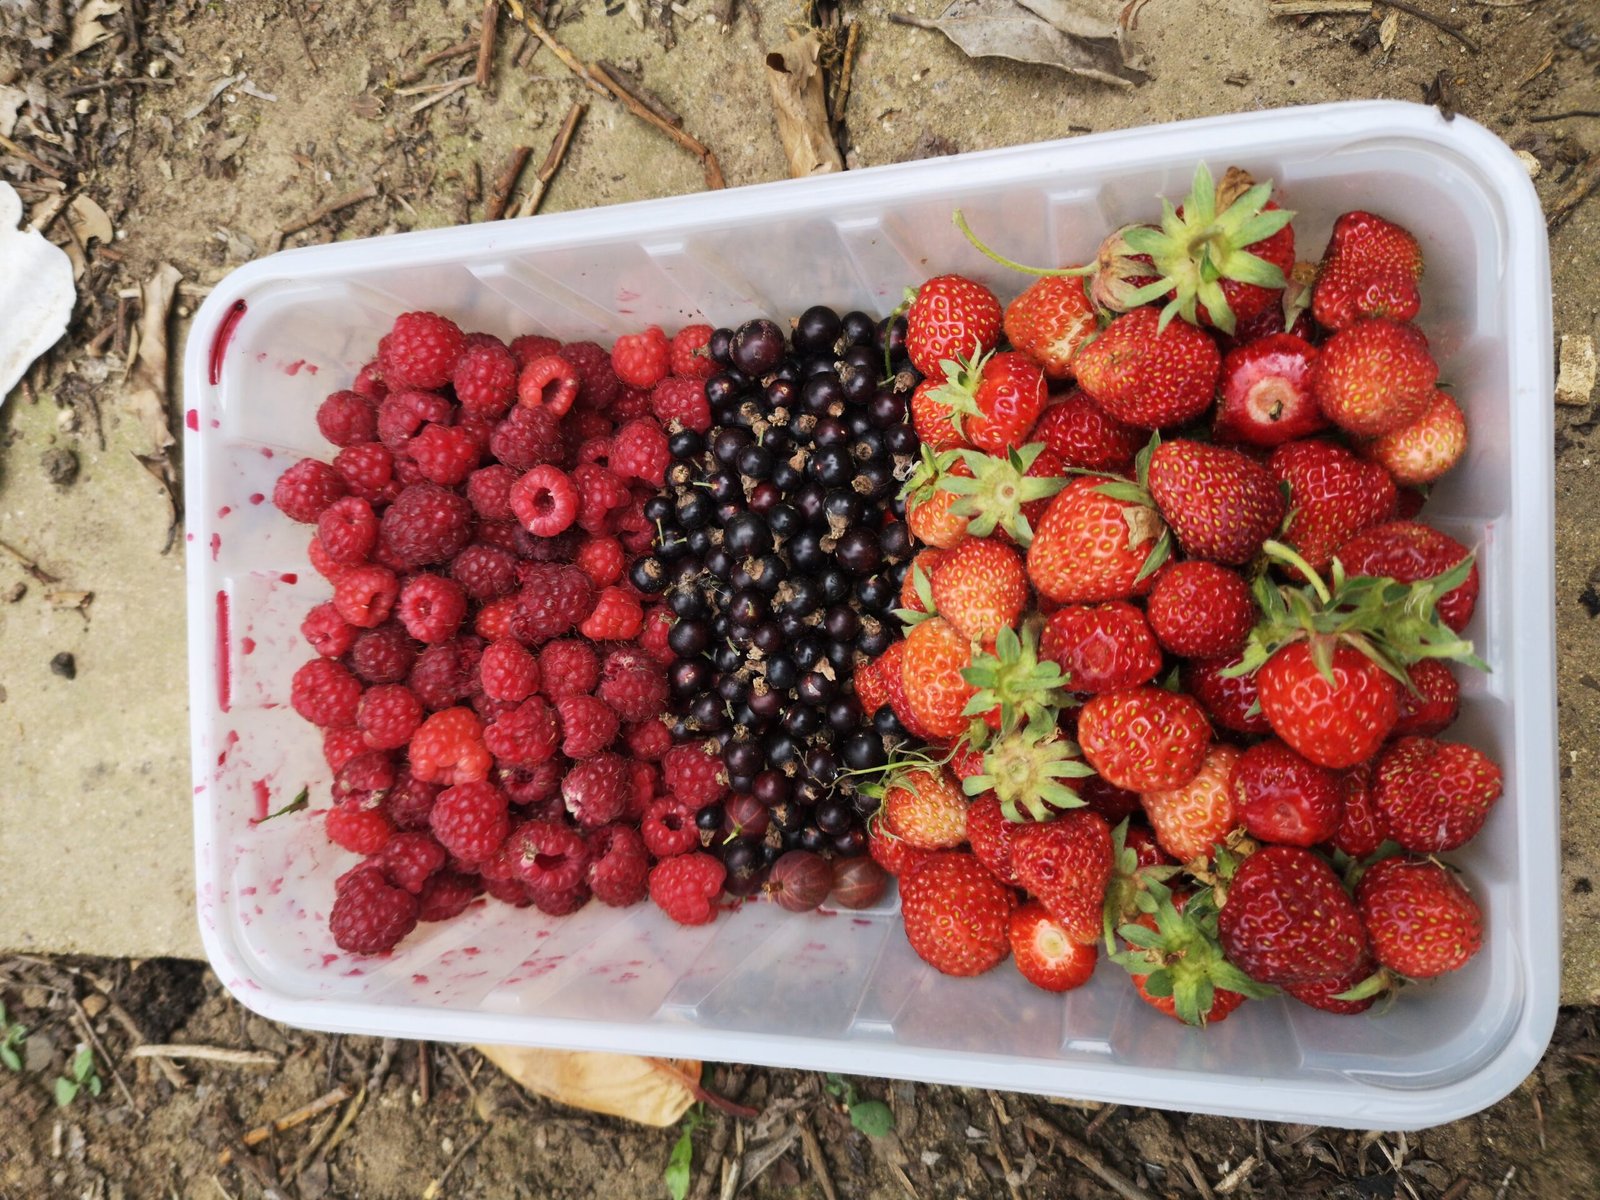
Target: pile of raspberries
488, 683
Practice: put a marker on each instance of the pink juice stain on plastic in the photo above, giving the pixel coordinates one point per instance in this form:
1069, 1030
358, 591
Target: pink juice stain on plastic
289, 577
224, 680
216, 546
192, 418
219, 341
223, 511
258, 788
247, 645
228, 743
256, 497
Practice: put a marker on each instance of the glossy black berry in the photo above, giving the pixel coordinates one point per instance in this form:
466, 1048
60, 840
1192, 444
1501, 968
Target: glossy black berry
863, 750
858, 328
747, 534
648, 575
816, 330
858, 551
757, 347
689, 638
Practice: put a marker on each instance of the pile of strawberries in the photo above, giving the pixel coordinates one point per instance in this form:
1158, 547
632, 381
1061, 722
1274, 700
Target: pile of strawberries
1177, 647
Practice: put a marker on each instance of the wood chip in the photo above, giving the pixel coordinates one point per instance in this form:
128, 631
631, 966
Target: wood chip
552, 160
219, 1054
1576, 375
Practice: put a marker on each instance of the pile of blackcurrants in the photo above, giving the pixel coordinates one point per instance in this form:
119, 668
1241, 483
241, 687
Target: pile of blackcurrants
781, 549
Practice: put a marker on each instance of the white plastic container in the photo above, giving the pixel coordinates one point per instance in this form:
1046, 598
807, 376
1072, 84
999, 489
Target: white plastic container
844, 992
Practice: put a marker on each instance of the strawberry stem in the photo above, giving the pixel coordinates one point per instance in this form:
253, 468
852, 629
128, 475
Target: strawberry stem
995, 256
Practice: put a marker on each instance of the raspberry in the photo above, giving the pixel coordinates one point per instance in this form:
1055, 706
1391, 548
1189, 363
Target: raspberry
633, 402
556, 902
686, 887
447, 894
485, 572
641, 359
550, 383
588, 725
340, 745
505, 535
348, 530
586, 425
306, 489
445, 454
553, 599
445, 673
536, 783
410, 801
690, 357
330, 634
596, 790
358, 825
602, 560
635, 694
637, 531
489, 710
388, 715
527, 734
619, 867
639, 451
320, 562
616, 617
325, 694
600, 493
648, 740
548, 856
598, 384
653, 631
448, 749
384, 654
348, 419
694, 773
645, 786
365, 596
370, 916
681, 400
432, 607
531, 346
560, 549
508, 672
509, 891
409, 860
366, 776
668, 827
568, 668
594, 451
527, 438
402, 415
367, 470
426, 524
369, 382
478, 428
489, 491
495, 619
470, 820
545, 501
422, 349
485, 379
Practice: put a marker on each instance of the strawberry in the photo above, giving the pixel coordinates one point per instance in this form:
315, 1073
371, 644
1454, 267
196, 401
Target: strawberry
1193, 818
926, 810
1173, 953
891, 853
930, 416
1102, 648
1374, 376
1006, 493
1337, 720
1145, 738
1014, 688
1148, 376
1285, 799
1422, 451
1045, 955
930, 668
871, 688
1370, 268
1422, 922
980, 588
955, 913
950, 316
924, 565
1430, 704
1230, 700
993, 838
928, 503
1032, 772
891, 667
1333, 495
1434, 795
1265, 395
1219, 504
1409, 551
1287, 919
1085, 435
1050, 322
1325, 993
1065, 865
1090, 546
991, 401
1200, 610
1107, 799
1362, 828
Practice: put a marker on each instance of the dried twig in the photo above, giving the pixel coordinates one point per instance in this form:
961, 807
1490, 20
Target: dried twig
266, 1179
732, 1086
997, 1136
1100, 1118
505, 183
537, 28
491, 22
305, 42
1584, 181
620, 79
436, 1188
288, 1121
424, 1072
1196, 1175
221, 1054
1110, 1176
421, 69
327, 210
445, 91
28, 157
552, 160
1238, 1175
380, 1070
688, 141
841, 93
1437, 22
125, 81
40, 575
819, 1165
1317, 8
1562, 116
166, 1066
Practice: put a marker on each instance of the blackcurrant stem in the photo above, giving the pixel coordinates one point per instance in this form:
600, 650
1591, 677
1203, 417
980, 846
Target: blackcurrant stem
994, 256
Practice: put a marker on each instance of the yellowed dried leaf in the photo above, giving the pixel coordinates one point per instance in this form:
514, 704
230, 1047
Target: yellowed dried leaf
651, 1091
147, 390
87, 29
797, 95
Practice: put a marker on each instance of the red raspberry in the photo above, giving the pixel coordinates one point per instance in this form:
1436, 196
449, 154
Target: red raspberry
489, 491
653, 632
527, 438
409, 860
365, 777
402, 415
446, 673
406, 471
495, 619
536, 784
602, 560
470, 820
358, 825
636, 530
568, 668
505, 535
557, 902
634, 685
348, 419
588, 725
432, 607
340, 745
485, 379
531, 346
596, 790
509, 891
553, 599
320, 562
598, 384
367, 470
369, 382
550, 383
445, 454
526, 735
683, 401
545, 501
619, 867
594, 451
384, 654
616, 617
508, 672
410, 801
478, 428
560, 549
426, 524
600, 493
694, 773
325, 694
446, 895
365, 596
347, 530
448, 749
485, 572
586, 425
641, 359
668, 827
633, 402
686, 887
330, 634
369, 915
422, 350
306, 489
388, 715
548, 856
489, 710
648, 740
646, 786
690, 358
639, 451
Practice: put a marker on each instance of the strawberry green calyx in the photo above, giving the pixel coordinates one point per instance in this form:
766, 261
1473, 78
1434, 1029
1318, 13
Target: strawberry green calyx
1182, 958
928, 476
1012, 679
999, 487
1025, 770
1131, 889
1136, 493
959, 391
909, 617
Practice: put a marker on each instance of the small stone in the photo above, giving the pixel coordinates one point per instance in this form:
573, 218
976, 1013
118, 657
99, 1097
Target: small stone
1576, 375
1529, 163
64, 665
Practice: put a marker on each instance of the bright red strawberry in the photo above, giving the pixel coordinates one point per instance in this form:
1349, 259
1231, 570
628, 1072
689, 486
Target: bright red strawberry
1333, 495
955, 914
891, 665
1433, 706
1219, 504
1434, 796
1065, 864
1265, 397
894, 855
1335, 722
928, 502
1410, 551
951, 317
1422, 922
992, 837
1050, 321
1200, 610
1090, 547
1231, 701
1362, 828
1177, 963
980, 587
1085, 435
1193, 818
1287, 919
1325, 993
1422, 451
930, 416
1286, 799
1103, 648
930, 669
992, 401
1370, 268
1150, 377
925, 809
1374, 376
1144, 739
1045, 955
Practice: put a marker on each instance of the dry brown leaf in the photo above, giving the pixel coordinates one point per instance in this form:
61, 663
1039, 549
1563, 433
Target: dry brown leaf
651, 1091
147, 392
1076, 18
89, 223
87, 29
797, 94
1005, 29
1389, 29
